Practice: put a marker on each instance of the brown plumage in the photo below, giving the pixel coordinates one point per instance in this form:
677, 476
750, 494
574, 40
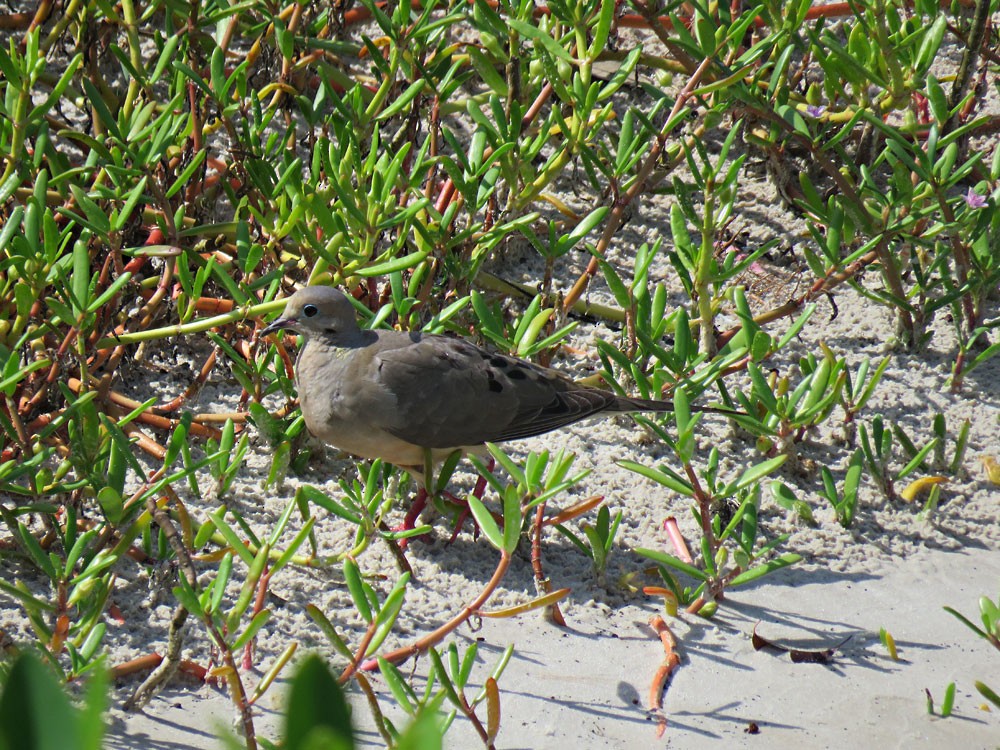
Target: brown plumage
394, 395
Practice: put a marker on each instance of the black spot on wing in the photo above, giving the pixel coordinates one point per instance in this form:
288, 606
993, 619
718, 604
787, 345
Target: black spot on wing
493, 384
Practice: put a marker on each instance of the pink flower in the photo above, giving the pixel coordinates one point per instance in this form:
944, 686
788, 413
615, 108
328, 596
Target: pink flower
974, 199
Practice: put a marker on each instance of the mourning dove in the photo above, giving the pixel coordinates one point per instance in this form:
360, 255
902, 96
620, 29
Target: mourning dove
395, 395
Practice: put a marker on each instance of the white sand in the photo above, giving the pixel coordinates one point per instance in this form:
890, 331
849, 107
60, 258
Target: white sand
587, 686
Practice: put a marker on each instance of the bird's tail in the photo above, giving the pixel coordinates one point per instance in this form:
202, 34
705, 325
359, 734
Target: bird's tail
626, 404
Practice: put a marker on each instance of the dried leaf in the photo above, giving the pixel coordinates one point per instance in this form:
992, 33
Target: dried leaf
798, 655
492, 710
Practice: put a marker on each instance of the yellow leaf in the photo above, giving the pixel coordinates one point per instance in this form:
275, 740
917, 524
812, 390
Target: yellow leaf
992, 469
492, 710
520, 609
917, 486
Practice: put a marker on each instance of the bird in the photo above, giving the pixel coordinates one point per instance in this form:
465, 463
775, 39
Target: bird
406, 397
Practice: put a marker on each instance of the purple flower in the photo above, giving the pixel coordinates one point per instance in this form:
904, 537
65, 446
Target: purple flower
974, 199
815, 110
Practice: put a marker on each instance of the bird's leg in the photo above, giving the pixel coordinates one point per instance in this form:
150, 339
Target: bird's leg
428, 480
481, 482
410, 519
420, 501
460, 522
477, 493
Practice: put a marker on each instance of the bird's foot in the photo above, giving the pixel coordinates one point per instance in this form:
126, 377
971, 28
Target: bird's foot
460, 522
410, 519
420, 502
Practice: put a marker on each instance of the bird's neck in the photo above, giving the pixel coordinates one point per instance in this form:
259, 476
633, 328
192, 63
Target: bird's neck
331, 341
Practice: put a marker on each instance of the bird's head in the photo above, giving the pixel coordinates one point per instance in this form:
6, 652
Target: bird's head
316, 310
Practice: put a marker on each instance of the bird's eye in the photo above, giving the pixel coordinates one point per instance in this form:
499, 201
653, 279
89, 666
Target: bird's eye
310, 310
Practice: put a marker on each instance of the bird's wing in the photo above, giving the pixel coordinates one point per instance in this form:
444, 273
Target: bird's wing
450, 393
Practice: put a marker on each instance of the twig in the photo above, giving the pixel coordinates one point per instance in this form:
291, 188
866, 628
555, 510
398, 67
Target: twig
153, 660
617, 214
671, 661
171, 662
422, 644
542, 584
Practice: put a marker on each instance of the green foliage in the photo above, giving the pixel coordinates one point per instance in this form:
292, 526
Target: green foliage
35, 713
317, 714
845, 504
598, 537
879, 454
171, 182
731, 550
989, 615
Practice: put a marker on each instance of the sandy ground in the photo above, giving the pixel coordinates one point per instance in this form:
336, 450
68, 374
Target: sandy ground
587, 685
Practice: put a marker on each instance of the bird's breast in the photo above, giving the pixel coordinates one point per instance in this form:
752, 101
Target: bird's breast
345, 406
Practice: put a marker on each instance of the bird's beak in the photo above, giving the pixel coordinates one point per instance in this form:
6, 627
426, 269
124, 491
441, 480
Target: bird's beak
280, 324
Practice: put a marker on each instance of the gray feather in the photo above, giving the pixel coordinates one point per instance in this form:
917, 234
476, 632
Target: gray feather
392, 394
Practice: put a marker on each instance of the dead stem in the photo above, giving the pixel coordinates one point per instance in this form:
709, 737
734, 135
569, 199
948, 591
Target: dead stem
671, 660
195, 385
618, 210
153, 660
542, 584
374, 707
171, 661
431, 639
825, 285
